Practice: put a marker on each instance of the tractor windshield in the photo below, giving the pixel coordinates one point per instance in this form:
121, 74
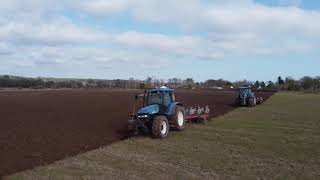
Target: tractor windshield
163, 98
154, 98
245, 91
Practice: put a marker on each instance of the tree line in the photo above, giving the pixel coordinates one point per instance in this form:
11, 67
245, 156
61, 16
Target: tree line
306, 83
7, 81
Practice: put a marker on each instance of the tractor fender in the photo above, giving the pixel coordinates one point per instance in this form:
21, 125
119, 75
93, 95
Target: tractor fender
171, 108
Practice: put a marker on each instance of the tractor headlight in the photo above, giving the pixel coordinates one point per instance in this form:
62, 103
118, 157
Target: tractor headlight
143, 116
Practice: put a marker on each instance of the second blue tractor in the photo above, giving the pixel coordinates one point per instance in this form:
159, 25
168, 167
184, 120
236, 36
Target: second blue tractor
247, 98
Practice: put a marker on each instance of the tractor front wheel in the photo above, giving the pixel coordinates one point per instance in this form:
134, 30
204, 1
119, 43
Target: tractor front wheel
160, 127
178, 119
132, 126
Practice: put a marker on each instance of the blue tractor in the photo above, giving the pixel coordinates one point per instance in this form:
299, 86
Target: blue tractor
247, 98
159, 112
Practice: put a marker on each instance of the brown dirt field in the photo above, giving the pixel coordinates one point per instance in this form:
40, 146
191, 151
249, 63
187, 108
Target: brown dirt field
41, 126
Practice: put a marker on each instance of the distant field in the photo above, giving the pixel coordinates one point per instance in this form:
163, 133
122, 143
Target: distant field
277, 140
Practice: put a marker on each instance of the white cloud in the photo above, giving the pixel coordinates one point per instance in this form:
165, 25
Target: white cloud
52, 33
233, 22
102, 7
261, 19
41, 33
80, 59
158, 42
230, 15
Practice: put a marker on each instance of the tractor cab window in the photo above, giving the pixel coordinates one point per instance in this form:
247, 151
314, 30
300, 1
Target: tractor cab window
154, 98
167, 98
244, 91
163, 98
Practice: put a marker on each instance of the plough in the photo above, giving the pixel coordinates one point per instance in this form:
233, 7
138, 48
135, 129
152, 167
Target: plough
197, 114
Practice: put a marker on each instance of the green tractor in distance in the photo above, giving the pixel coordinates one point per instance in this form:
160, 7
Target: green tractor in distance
247, 98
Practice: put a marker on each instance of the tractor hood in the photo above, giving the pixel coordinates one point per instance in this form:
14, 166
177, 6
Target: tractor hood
151, 109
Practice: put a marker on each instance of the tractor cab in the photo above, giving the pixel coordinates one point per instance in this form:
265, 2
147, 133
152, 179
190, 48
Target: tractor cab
160, 96
245, 92
156, 101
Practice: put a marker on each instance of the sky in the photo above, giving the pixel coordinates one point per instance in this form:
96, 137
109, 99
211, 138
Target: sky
200, 39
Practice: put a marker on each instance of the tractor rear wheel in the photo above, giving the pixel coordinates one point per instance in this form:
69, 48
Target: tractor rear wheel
160, 127
178, 119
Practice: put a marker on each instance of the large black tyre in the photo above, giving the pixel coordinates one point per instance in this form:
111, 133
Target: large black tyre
160, 127
178, 119
252, 102
132, 127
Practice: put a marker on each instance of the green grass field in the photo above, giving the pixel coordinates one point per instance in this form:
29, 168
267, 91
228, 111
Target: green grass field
277, 140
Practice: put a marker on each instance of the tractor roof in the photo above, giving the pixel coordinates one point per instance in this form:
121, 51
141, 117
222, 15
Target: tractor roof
162, 89
245, 87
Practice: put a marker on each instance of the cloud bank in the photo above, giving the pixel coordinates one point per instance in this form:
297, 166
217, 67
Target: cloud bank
46, 33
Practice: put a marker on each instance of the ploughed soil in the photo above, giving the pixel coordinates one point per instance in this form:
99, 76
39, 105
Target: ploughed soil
38, 127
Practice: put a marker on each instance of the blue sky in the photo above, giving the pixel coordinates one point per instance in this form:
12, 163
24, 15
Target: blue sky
202, 39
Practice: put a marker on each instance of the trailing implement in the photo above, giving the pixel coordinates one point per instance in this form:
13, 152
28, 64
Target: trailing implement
160, 112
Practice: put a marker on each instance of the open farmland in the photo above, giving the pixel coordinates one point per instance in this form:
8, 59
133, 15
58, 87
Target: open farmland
39, 127
277, 140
